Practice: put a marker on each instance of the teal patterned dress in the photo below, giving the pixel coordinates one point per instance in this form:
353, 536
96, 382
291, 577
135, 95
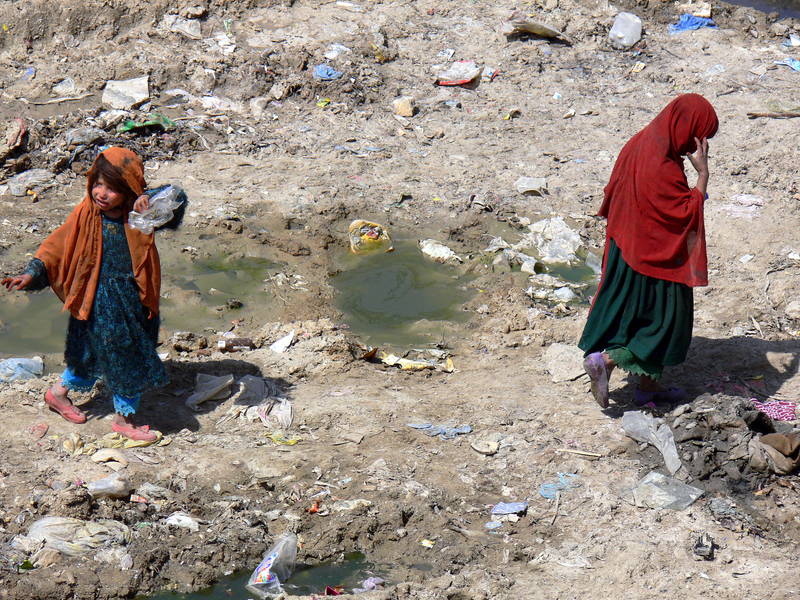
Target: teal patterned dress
118, 342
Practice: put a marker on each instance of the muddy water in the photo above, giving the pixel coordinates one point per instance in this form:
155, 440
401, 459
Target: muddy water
193, 291
31, 324
306, 580
785, 8
400, 298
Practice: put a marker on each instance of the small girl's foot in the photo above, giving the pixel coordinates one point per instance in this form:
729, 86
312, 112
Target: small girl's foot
60, 404
595, 366
132, 432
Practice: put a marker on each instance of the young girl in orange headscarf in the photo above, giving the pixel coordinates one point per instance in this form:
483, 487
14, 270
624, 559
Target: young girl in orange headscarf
108, 276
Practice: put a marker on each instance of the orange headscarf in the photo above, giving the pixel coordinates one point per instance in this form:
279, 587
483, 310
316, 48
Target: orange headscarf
72, 253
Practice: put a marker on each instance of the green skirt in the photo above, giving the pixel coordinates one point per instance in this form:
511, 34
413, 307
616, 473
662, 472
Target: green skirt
641, 322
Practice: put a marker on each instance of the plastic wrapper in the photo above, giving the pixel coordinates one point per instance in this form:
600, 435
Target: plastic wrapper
160, 212
275, 568
366, 237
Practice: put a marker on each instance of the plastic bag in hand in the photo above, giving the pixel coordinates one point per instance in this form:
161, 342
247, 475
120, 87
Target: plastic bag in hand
160, 211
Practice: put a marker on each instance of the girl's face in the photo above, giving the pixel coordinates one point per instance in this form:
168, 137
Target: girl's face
106, 199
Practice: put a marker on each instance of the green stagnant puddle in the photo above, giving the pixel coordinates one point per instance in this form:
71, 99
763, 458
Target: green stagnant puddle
400, 298
306, 580
33, 323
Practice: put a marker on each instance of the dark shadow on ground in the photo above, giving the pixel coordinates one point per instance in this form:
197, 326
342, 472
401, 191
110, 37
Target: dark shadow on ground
744, 367
165, 409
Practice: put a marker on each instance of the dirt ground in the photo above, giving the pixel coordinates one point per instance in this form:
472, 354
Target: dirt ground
276, 165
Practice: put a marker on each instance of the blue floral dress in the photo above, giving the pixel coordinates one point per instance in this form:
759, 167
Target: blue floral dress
118, 342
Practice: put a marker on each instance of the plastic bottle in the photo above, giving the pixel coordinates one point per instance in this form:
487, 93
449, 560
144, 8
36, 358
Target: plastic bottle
626, 31
235, 344
113, 486
276, 567
160, 211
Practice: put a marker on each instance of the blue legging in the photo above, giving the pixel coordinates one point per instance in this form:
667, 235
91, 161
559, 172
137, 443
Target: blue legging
124, 405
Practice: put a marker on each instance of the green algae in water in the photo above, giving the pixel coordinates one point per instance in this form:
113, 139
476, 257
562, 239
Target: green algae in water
193, 288
35, 324
400, 298
306, 580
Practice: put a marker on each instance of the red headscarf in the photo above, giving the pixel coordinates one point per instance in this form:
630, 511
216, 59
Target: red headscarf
653, 216
72, 252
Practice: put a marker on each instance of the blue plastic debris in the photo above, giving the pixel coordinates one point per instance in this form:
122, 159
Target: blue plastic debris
325, 72
792, 63
510, 508
13, 369
28, 74
566, 481
493, 525
689, 22
443, 431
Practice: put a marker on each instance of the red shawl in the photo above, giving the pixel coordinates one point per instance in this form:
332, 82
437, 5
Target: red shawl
72, 253
653, 216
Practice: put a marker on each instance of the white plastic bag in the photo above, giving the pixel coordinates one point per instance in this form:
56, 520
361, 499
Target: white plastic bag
13, 369
276, 567
160, 211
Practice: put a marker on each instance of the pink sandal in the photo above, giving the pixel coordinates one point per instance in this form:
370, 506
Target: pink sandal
595, 367
138, 434
70, 412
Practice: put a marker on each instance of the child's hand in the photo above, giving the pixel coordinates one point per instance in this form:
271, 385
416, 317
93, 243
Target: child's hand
20, 282
699, 159
142, 203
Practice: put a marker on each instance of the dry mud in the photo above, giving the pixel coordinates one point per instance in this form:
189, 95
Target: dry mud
280, 178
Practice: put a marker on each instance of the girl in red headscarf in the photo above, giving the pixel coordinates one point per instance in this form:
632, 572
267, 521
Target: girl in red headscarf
108, 276
641, 316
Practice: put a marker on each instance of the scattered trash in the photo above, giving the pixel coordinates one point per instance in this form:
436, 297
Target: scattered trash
438, 251
780, 410
407, 364
126, 94
366, 236
276, 567
347, 505
325, 72
658, 491
564, 362
38, 431
776, 452
404, 106
160, 211
16, 369
183, 520
153, 121
626, 31
65, 87
715, 70
519, 24
84, 136
688, 22
704, 547
491, 525
235, 344
117, 440
209, 387
485, 447
743, 206
445, 432
554, 240
461, 72
114, 457
282, 345
746, 258
643, 427
20, 183
282, 440
278, 413
566, 481
427, 543
700, 9
28, 74
323, 102
369, 584
113, 486
510, 508
71, 537
187, 27
335, 50
792, 63
793, 41
531, 185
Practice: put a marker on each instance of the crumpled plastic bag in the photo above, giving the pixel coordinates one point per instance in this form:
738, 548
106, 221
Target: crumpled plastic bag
275, 568
13, 369
366, 237
209, 387
72, 537
644, 428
